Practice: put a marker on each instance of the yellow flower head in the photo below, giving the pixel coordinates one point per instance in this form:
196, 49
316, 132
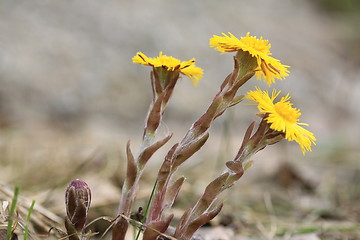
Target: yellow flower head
282, 117
268, 67
187, 68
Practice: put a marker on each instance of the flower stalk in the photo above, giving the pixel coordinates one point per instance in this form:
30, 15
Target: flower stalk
205, 208
196, 137
164, 76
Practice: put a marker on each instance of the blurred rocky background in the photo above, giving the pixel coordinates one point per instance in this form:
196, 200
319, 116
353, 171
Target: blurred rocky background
69, 91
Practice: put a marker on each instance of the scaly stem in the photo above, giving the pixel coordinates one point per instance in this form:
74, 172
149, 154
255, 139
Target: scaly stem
163, 83
198, 134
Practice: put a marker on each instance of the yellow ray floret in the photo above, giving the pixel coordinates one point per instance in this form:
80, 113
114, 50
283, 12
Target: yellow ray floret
187, 68
282, 117
268, 67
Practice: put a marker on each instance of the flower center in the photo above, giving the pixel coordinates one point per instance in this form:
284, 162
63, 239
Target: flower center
259, 45
287, 112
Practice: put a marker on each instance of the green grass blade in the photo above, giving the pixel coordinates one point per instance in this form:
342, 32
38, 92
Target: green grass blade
12, 211
146, 210
28, 219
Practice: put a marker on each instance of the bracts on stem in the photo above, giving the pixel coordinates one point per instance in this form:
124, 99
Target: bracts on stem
198, 134
163, 83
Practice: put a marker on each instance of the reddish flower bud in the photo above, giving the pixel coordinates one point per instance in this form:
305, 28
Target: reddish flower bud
77, 201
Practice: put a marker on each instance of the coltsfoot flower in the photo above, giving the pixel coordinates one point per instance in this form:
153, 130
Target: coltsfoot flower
268, 68
282, 117
171, 64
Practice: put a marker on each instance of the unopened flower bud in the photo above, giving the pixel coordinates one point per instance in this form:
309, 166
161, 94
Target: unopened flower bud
77, 200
